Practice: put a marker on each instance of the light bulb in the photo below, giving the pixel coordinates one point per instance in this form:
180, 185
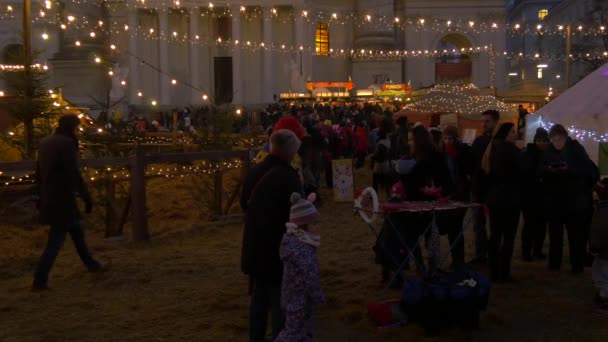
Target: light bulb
139, 93
92, 34
111, 73
123, 83
210, 5
243, 8
77, 43
421, 21
97, 60
305, 13
71, 18
174, 81
205, 97
153, 102
45, 36
334, 15
471, 23
113, 47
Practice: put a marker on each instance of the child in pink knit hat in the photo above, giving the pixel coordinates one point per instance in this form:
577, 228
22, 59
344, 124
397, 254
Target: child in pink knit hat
301, 290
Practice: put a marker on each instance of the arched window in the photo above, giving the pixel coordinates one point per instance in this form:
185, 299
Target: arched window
322, 40
543, 13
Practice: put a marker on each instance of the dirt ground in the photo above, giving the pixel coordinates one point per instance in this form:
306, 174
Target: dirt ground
186, 285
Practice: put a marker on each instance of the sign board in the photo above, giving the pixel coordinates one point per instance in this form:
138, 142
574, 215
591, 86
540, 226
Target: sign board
344, 187
313, 85
469, 135
392, 89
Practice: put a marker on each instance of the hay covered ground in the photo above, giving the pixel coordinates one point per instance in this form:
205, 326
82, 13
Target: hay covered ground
185, 285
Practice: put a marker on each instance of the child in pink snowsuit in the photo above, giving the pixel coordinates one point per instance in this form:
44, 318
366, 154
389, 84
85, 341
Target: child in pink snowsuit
301, 290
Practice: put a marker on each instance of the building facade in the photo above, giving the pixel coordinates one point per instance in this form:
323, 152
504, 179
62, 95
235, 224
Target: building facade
179, 52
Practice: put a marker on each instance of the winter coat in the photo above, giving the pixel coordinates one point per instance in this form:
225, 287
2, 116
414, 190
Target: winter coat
265, 199
459, 166
567, 192
480, 181
506, 176
59, 180
532, 187
301, 288
428, 172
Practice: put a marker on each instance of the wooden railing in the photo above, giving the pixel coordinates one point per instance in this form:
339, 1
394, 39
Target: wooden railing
137, 194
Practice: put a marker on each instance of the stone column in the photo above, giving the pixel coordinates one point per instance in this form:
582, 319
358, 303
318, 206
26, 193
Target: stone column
133, 62
237, 77
302, 57
268, 67
196, 96
163, 57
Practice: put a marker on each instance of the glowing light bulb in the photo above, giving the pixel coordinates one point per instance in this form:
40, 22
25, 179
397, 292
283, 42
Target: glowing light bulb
47, 4
283, 46
494, 25
63, 27
560, 27
368, 17
205, 97
580, 27
151, 30
210, 5
174, 34
334, 15
153, 102
397, 19
113, 47
539, 26
140, 94
71, 18
421, 21
100, 23
97, 60
77, 43
1, 93
197, 37
174, 81
92, 34
449, 22
602, 28
274, 11
238, 112
126, 27
219, 39
45, 36
471, 23
517, 26
243, 9
123, 83
9, 8
111, 73
305, 13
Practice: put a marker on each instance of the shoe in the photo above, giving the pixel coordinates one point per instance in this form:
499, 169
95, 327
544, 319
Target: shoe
600, 304
102, 267
40, 288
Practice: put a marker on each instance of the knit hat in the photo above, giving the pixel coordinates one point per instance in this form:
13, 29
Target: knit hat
291, 123
541, 134
303, 211
284, 143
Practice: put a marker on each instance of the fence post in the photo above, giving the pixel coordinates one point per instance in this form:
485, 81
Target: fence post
219, 188
138, 196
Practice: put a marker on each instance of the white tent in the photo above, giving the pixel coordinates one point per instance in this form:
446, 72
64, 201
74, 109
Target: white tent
582, 109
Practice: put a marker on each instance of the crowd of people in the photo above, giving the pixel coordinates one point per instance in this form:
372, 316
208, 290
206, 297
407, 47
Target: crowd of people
552, 181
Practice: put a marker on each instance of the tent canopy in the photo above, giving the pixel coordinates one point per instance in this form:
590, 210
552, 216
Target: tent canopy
463, 99
584, 105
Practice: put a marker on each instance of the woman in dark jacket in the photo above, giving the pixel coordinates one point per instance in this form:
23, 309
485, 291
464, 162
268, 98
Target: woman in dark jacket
502, 162
567, 174
535, 222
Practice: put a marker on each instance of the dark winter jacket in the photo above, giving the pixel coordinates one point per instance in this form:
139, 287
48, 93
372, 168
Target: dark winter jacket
459, 166
532, 187
59, 180
427, 172
480, 181
567, 191
506, 176
265, 200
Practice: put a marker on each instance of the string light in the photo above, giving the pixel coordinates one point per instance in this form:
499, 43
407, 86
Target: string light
174, 81
140, 94
113, 47
77, 43
243, 9
123, 83
97, 60
71, 18
92, 34
45, 36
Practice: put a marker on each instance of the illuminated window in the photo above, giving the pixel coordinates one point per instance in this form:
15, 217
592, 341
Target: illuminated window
543, 13
539, 73
322, 40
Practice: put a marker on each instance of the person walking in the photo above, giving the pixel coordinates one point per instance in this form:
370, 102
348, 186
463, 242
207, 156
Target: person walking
58, 178
535, 222
381, 164
479, 186
502, 162
566, 170
265, 199
361, 145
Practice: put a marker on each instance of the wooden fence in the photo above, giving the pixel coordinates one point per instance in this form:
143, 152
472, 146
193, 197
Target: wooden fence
137, 194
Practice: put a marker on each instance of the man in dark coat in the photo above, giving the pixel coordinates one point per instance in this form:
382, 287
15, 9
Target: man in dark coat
480, 182
59, 179
266, 202
568, 175
535, 222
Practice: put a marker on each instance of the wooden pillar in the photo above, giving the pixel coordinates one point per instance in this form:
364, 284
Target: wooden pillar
138, 196
219, 188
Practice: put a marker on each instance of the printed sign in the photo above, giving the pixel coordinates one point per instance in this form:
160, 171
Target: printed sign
469, 135
344, 187
313, 85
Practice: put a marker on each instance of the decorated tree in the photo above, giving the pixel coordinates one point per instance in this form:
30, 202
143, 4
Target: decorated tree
31, 107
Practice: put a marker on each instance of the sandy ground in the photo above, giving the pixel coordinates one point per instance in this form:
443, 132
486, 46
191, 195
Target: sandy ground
185, 285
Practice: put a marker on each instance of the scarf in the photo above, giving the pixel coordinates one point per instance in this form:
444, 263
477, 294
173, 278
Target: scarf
302, 235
